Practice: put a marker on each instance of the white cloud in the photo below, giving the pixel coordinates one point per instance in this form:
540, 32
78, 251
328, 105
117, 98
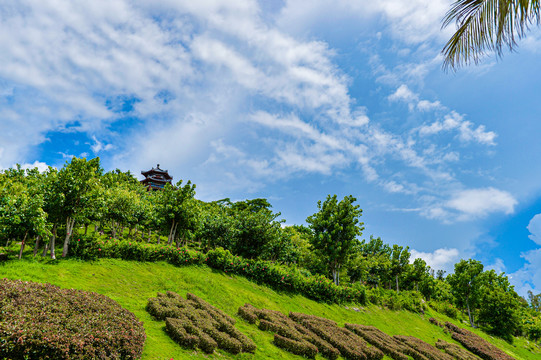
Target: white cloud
42, 167
480, 202
529, 276
498, 266
413, 21
534, 227
466, 132
439, 259
99, 146
403, 93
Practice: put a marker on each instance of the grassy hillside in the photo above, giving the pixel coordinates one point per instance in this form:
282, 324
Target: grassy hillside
132, 283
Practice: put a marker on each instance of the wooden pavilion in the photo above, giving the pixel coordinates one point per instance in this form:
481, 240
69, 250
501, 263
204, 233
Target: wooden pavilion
156, 178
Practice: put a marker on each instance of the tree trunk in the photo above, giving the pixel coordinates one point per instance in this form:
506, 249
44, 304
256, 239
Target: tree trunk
45, 249
470, 316
22, 245
171, 233
70, 223
149, 234
7, 242
397, 290
86, 229
336, 274
52, 246
36, 246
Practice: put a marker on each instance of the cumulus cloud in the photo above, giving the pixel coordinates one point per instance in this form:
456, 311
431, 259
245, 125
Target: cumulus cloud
439, 259
480, 202
41, 166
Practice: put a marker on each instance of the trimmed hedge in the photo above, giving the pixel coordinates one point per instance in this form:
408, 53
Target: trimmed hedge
389, 345
289, 335
277, 276
477, 344
43, 321
300, 334
456, 351
194, 323
350, 345
427, 350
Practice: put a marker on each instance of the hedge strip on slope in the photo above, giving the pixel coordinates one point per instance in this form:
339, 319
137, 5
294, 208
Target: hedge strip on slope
389, 345
289, 335
477, 344
194, 323
456, 351
428, 351
350, 345
43, 321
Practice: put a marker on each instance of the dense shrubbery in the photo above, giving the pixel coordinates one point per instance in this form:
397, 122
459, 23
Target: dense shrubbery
278, 276
476, 344
43, 321
193, 323
404, 300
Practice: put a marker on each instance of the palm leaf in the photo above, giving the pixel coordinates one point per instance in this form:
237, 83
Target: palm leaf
486, 26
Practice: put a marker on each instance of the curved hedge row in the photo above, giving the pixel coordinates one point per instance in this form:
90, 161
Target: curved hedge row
277, 276
43, 321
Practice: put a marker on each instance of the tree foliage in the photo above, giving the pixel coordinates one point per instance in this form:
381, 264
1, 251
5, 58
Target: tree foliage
335, 229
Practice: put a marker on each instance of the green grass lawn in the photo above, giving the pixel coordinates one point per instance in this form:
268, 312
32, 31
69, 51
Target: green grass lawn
132, 283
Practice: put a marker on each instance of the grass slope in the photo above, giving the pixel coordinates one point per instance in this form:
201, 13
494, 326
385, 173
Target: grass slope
132, 283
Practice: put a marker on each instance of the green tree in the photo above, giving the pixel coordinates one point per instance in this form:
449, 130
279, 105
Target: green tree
335, 229
176, 210
485, 26
400, 257
534, 301
499, 305
466, 285
372, 263
74, 187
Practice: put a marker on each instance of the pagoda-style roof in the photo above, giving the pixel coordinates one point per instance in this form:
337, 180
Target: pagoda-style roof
157, 171
156, 178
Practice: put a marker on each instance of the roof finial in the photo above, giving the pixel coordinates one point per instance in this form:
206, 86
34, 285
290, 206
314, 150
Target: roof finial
158, 166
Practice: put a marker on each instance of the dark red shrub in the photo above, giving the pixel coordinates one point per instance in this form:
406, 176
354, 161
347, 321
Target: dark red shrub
43, 321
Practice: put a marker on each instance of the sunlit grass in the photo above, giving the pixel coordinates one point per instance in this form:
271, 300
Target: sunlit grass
132, 283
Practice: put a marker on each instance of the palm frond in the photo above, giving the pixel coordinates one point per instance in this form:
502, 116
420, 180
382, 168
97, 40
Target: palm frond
486, 26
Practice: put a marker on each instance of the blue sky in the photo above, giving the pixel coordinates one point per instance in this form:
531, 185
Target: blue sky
291, 101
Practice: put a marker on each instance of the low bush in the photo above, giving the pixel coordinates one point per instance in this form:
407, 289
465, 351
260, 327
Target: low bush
456, 351
446, 308
43, 321
476, 344
427, 350
194, 323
